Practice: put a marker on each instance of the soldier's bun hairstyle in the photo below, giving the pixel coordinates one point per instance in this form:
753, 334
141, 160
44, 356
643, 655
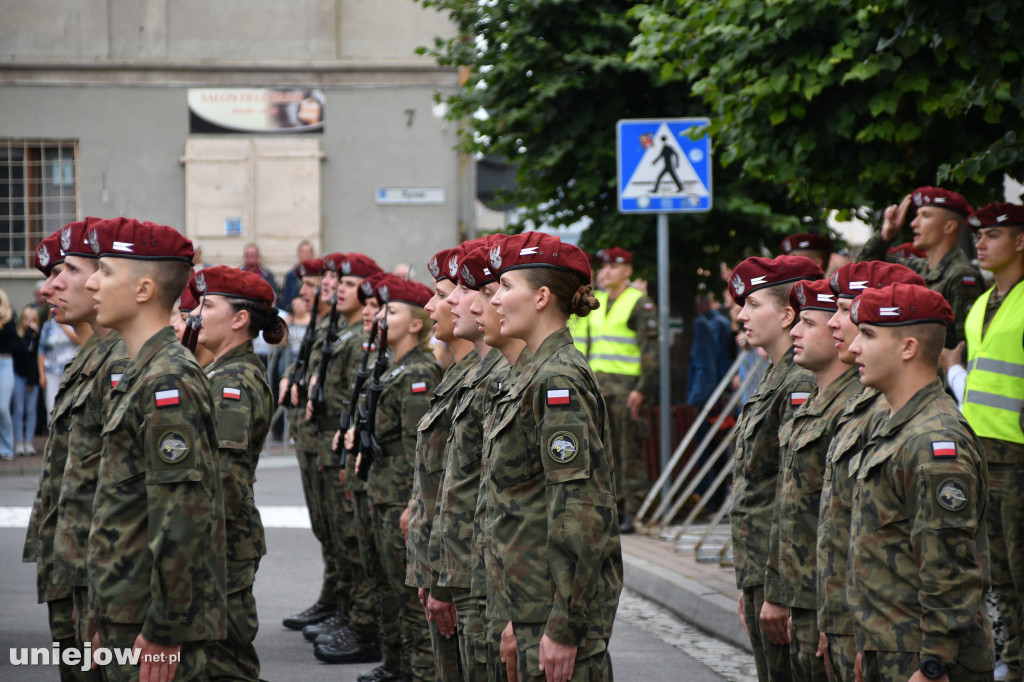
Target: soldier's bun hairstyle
261, 319
570, 294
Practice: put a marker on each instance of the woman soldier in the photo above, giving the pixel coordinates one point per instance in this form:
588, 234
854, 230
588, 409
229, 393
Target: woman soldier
402, 402
236, 307
554, 560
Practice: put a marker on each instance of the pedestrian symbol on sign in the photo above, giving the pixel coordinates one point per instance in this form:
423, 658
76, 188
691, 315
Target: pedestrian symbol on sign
661, 168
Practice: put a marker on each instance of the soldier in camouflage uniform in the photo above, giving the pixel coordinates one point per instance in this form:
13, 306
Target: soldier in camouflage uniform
157, 557
620, 341
302, 432
41, 537
433, 432
554, 558
762, 286
790, 579
238, 306
404, 399
857, 423
918, 553
941, 217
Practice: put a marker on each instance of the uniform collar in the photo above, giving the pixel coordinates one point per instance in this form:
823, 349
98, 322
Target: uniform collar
920, 400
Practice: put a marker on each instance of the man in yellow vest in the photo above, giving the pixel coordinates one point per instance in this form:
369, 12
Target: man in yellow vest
994, 332
620, 339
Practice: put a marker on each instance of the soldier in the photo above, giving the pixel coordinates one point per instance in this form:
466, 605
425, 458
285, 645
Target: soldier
80, 415
762, 286
554, 559
620, 339
39, 541
917, 544
852, 430
817, 247
994, 389
157, 543
791, 579
941, 217
237, 307
433, 432
403, 400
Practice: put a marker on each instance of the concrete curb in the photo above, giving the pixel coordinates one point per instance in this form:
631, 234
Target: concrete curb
701, 606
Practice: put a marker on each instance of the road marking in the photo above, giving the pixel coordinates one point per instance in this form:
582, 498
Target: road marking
273, 516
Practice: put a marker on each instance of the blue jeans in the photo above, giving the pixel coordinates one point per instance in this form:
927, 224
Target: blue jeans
6, 390
25, 400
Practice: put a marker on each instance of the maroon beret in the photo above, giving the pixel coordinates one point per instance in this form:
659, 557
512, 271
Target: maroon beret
852, 279
900, 304
358, 265
394, 289
312, 267
332, 261
49, 253
538, 250
187, 301
436, 265
615, 254
475, 270
368, 287
813, 295
758, 273
221, 280
806, 241
907, 250
998, 214
74, 239
943, 198
140, 240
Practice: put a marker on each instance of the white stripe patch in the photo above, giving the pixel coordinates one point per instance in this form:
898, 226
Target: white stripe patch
528, 251
889, 312
123, 246
858, 285
758, 280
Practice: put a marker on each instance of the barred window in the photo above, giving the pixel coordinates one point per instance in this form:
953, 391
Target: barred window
38, 194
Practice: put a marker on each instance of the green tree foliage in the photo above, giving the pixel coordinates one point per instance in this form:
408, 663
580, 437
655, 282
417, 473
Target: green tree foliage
850, 103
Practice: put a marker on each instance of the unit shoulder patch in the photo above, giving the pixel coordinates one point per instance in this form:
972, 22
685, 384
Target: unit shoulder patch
952, 495
174, 447
563, 447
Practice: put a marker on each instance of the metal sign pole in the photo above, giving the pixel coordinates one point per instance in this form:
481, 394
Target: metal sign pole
664, 374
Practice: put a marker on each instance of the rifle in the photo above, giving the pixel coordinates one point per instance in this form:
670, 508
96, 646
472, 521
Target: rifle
316, 394
298, 374
369, 447
348, 418
190, 337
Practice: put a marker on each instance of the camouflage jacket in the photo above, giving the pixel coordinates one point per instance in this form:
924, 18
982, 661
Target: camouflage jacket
42, 524
243, 406
784, 388
88, 412
790, 576
341, 367
304, 432
402, 403
918, 545
855, 426
432, 432
955, 277
451, 541
353, 482
554, 535
157, 545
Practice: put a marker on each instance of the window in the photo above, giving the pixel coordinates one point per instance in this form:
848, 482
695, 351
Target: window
38, 195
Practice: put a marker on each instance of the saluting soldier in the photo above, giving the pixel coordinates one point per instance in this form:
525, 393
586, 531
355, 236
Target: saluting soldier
761, 286
858, 421
918, 554
237, 307
157, 553
554, 557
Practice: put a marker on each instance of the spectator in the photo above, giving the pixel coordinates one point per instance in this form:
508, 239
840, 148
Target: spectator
709, 357
26, 380
8, 345
251, 258
58, 344
292, 281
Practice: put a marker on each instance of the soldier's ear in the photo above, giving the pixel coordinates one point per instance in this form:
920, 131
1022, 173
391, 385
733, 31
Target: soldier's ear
145, 289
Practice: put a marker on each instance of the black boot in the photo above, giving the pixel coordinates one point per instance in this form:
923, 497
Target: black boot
359, 649
626, 527
314, 614
337, 620
380, 674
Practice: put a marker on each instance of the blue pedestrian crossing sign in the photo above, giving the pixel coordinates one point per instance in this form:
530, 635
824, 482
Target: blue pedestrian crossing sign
660, 169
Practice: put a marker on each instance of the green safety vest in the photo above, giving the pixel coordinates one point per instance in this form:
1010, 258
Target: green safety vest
995, 378
613, 345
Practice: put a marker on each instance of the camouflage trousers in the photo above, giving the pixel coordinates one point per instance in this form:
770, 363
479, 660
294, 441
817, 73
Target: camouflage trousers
446, 654
631, 481
235, 658
842, 655
122, 636
354, 599
471, 633
772, 660
62, 630
403, 621
593, 664
309, 473
803, 647
373, 583
898, 666
492, 632
1005, 522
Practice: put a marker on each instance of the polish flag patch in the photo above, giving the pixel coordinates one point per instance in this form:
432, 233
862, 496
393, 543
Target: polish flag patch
799, 397
969, 280
419, 387
114, 378
232, 393
558, 396
167, 398
944, 448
